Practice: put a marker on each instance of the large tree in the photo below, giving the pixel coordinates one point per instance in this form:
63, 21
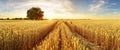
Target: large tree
35, 13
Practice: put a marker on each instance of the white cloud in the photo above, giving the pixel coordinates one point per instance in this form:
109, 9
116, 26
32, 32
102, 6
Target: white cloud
98, 6
52, 8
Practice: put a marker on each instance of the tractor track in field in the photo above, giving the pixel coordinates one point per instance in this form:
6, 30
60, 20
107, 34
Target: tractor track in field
88, 43
46, 33
52, 41
60, 42
62, 37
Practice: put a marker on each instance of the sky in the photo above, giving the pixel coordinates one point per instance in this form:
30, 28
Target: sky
62, 9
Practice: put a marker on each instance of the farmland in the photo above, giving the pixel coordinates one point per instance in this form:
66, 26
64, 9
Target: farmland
60, 35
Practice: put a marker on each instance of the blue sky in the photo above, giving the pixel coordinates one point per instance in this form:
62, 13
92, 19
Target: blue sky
99, 9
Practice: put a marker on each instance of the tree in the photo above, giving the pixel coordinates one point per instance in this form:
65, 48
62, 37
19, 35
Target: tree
7, 18
35, 13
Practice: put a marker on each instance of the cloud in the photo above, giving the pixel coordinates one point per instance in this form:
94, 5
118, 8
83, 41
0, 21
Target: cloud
52, 8
98, 6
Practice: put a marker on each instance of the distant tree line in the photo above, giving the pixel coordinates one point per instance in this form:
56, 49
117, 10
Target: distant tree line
17, 19
14, 19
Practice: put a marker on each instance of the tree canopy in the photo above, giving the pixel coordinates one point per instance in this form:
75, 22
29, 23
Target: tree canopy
35, 13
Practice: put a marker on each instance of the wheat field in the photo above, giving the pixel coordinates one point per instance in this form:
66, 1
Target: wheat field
60, 35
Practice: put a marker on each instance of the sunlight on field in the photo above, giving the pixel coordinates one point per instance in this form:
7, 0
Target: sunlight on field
49, 18
60, 35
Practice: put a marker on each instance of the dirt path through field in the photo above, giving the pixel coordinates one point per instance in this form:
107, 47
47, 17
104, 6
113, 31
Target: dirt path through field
63, 38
